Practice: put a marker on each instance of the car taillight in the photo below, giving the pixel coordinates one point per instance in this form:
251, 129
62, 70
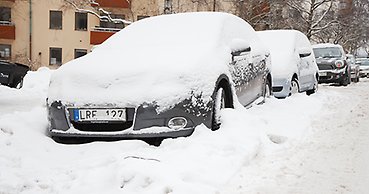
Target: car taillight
339, 64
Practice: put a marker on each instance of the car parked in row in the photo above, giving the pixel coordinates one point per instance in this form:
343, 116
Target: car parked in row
293, 63
332, 63
364, 66
355, 68
12, 74
162, 76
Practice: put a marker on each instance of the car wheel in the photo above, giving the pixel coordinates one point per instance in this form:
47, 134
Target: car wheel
294, 88
315, 88
267, 93
345, 80
219, 104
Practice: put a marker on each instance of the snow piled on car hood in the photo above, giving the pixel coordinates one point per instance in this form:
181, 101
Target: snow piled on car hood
283, 55
160, 60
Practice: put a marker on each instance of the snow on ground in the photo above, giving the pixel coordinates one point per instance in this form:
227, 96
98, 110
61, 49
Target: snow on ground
332, 158
256, 149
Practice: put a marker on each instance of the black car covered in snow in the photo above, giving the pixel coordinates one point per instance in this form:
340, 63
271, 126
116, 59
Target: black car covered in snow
11, 74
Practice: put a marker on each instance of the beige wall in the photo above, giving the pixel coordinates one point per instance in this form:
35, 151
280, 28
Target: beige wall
68, 38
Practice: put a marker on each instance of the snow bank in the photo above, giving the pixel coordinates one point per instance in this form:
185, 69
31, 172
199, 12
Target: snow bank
34, 90
31, 162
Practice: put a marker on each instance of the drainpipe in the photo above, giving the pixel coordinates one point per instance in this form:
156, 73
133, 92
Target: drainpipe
30, 31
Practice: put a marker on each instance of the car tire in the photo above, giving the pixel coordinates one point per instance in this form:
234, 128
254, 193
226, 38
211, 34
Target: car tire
294, 88
345, 80
219, 104
315, 88
267, 92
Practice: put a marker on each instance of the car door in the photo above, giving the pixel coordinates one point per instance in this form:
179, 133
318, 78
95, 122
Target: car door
243, 74
305, 58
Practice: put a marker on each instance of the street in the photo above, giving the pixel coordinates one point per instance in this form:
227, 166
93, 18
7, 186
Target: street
333, 158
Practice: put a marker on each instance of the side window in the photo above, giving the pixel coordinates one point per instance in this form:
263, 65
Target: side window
79, 53
5, 51
55, 56
56, 21
5, 15
81, 21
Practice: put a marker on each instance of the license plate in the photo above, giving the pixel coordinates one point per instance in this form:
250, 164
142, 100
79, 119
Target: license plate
322, 73
99, 114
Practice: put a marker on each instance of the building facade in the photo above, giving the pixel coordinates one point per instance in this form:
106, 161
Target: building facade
53, 32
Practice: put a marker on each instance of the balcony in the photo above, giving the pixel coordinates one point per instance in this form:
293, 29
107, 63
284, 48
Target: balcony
112, 3
7, 30
99, 35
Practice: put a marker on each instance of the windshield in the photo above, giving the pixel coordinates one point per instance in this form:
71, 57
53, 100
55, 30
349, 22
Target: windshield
364, 62
327, 52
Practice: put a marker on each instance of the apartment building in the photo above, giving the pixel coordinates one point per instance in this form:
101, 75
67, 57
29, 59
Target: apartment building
53, 32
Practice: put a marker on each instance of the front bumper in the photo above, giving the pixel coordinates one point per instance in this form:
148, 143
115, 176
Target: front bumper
331, 76
141, 122
364, 73
281, 87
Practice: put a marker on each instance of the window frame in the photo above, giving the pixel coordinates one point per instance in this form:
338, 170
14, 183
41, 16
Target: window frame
61, 20
80, 51
9, 9
77, 27
59, 63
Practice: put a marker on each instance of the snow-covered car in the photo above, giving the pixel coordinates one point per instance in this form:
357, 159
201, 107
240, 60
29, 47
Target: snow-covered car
332, 63
364, 66
293, 63
160, 77
12, 74
355, 68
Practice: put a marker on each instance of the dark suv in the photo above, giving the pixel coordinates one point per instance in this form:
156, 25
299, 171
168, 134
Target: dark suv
332, 64
11, 74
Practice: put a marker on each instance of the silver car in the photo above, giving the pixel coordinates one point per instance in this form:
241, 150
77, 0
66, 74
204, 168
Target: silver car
355, 68
364, 66
293, 63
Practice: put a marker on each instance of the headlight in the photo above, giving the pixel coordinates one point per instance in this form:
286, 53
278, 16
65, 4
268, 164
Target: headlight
177, 123
339, 63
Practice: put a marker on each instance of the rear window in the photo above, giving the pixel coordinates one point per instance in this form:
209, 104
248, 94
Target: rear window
327, 52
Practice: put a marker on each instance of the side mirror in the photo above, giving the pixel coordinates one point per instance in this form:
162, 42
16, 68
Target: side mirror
239, 47
304, 52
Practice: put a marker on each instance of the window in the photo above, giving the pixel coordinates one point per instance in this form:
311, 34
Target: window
140, 17
5, 15
107, 24
5, 51
168, 6
55, 56
56, 20
81, 21
79, 53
